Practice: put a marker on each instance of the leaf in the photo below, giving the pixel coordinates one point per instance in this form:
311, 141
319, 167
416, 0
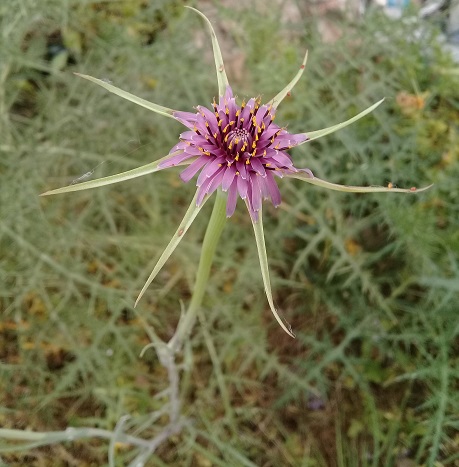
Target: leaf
187, 220
354, 189
134, 173
331, 129
261, 247
219, 65
275, 101
159, 109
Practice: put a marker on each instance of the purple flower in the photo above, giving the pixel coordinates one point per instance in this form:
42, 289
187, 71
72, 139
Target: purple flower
237, 148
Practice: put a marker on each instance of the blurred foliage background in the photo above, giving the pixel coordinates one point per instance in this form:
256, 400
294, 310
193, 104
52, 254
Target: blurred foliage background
369, 282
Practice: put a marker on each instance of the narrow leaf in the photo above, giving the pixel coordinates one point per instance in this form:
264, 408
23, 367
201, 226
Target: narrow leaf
261, 247
187, 220
159, 109
219, 65
138, 172
275, 101
354, 189
331, 129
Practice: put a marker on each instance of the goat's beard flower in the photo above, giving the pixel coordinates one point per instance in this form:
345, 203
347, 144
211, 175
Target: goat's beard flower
238, 150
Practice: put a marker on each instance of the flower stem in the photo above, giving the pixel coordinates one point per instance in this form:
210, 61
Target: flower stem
214, 229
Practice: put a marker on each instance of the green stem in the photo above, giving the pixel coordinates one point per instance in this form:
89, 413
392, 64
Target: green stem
211, 238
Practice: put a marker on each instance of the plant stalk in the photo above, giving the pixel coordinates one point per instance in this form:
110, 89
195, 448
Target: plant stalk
211, 238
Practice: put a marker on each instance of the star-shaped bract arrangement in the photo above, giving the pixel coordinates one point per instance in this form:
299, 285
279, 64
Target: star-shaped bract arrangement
237, 149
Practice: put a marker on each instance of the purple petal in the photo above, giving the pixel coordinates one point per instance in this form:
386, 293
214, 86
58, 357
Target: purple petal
242, 187
188, 135
180, 145
260, 114
269, 116
209, 186
224, 100
228, 178
193, 168
232, 107
175, 160
216, 180
287, 140
273, 189
256, 192
245, 114
242, 169
228, 94
193, 151
258, 166
232, 199
283, 159
207, 116
253, 214
186, 118
209, 170
269, 133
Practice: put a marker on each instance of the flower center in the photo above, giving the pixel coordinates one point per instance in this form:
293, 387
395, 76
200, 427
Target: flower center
238, 140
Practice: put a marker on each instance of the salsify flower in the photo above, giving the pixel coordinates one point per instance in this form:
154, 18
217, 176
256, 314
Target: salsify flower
236, 149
